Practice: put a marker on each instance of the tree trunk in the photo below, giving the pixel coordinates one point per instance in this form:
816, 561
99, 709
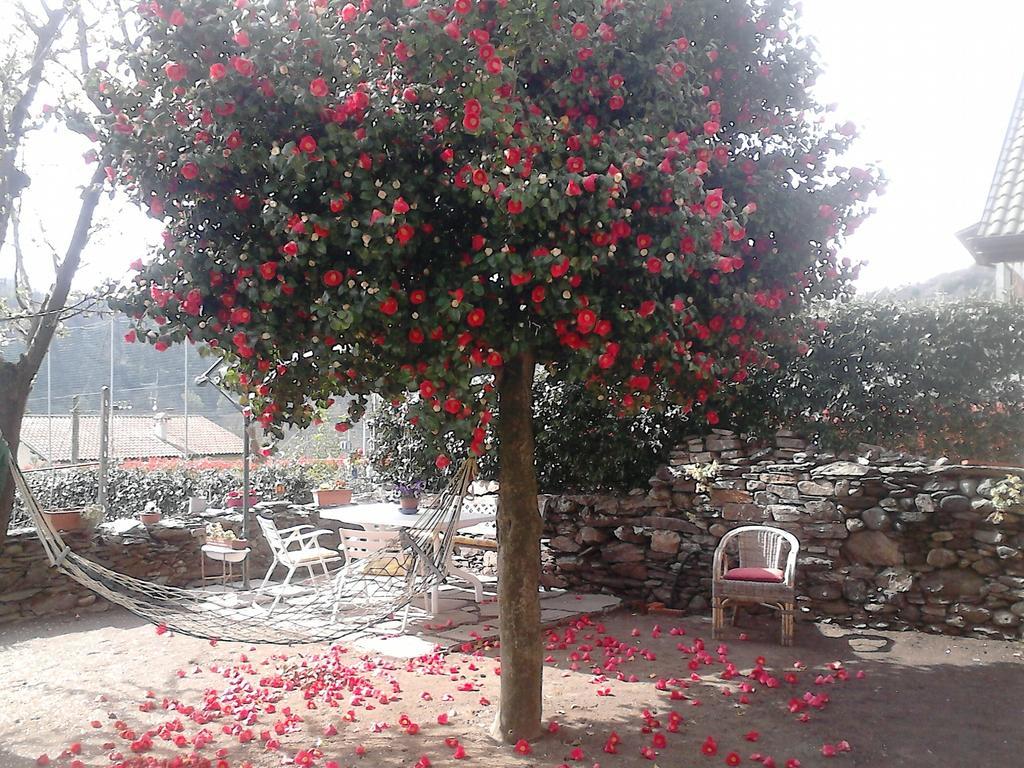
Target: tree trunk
519, 531
14, 390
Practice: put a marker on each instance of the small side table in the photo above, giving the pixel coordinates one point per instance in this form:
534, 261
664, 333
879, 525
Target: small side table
227, 556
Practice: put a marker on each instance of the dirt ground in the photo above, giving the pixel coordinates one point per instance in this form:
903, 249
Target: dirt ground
110, 688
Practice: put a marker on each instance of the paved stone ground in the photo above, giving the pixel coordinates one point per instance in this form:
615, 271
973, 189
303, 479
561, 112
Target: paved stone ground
463, 621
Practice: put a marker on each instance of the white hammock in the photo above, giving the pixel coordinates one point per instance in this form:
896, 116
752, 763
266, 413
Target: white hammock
360, 595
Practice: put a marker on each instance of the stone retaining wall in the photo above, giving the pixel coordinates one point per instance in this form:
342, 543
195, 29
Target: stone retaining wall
165, 553
887, 540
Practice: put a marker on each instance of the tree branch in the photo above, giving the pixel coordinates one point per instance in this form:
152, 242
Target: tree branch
33, 356
12, 179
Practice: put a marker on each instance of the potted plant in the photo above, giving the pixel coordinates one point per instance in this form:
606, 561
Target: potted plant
151, 514
409, 496
333, 490
222, 537
77, 519
234, 499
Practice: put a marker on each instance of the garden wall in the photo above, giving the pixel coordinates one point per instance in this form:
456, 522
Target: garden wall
166, 553
887, 541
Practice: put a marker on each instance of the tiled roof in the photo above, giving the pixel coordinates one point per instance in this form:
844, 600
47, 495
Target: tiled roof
131, 437
999, 236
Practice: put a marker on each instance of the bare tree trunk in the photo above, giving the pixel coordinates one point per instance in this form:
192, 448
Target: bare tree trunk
519, 531
16, 378
14, 389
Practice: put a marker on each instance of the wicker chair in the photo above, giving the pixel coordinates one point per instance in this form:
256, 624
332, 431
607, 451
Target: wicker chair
764, 575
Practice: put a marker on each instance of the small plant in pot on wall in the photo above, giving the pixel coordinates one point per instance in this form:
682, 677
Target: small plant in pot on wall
409, 496
151, 514
332, 490
81, 519
219, 535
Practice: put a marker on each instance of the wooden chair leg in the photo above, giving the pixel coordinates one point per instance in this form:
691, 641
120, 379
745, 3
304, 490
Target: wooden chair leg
717, 615
788, 622
735, 613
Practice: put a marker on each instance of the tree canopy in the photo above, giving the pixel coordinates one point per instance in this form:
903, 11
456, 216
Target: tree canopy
401, 196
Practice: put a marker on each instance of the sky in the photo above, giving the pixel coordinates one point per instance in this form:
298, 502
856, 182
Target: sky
931, 84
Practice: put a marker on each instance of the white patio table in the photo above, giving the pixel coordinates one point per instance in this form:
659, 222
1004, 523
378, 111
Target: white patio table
384, 516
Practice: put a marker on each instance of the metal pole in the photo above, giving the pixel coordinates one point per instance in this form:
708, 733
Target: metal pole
245, 494
185, 397
74, 430
104, 447
113, 332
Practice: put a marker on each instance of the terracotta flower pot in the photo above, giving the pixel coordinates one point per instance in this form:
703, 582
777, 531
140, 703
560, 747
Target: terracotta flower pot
332, 497
64, 520
239, 543
235, 502
409, 505
150, 518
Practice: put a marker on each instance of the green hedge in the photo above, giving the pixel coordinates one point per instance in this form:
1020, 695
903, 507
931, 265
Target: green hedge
934, 379
170, 488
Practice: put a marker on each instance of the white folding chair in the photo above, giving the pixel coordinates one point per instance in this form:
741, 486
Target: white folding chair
369, 544
294, 548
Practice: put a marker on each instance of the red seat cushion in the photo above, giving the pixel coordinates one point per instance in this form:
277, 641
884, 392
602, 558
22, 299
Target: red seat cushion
754, 574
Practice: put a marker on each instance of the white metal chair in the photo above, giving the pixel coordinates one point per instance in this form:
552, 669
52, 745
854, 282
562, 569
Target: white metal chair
294, 548
380, 543
762, 572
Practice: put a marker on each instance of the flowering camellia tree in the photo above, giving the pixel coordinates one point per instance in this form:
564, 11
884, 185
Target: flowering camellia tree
431, 196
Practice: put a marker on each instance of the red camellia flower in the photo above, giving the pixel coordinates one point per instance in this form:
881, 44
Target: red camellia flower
647, 308
349, 13
709, 747
242, 65
523, 747
291, 248
417, 296
332, 278
190, 171
318, 87
400, 206
234, 140
307, 144
175, 72
616, 102
476, 318
442, 462
218, 71
242, 39
580, 30
389, 306
713, 203
404, 234
732, 759
268, 270
514, 206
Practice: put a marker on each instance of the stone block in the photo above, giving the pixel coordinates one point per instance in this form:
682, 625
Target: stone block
749, 513
872, 548
622, 552
821, 511
591, 535
564, 544
783, 513
665, 541
816, 487
721, 496
955, 503
952, 583
942, 558
876, 519
841, 469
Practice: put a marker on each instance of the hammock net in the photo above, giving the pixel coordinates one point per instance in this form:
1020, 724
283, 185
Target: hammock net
363, 594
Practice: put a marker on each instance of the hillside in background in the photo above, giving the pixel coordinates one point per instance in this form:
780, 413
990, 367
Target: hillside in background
974, 282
